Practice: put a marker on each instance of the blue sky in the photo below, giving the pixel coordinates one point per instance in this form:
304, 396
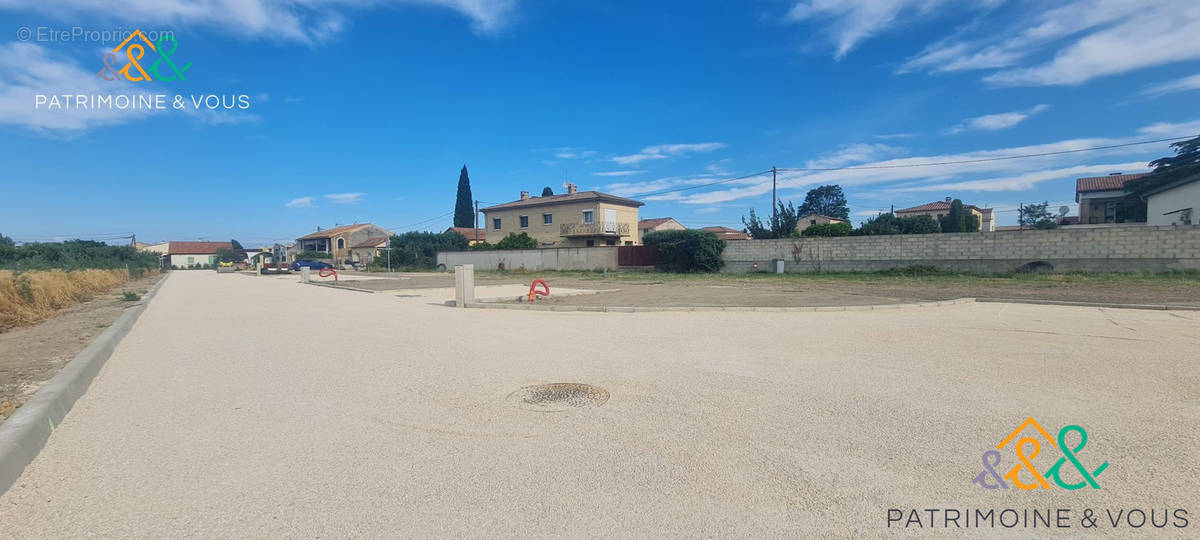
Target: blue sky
366, 110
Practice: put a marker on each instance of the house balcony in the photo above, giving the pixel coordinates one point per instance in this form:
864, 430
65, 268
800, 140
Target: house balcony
599, 228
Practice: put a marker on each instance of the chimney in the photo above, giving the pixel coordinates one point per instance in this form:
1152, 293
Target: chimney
572, 189
524, 195
948, 199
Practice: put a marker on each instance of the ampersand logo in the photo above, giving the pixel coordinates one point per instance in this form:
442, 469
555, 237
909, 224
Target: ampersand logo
1029, 438
134, 50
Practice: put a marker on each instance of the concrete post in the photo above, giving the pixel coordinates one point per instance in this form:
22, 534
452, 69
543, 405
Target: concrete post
304, 274
464, 285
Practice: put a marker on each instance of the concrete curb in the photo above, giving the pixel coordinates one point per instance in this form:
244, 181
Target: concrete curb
645, 309
340, 287
1159, 307
25, 433
521, 297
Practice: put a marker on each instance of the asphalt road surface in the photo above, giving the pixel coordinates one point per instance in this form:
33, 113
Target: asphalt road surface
247, 407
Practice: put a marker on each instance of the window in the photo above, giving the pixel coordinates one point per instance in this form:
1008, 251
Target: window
495, 224
812, 222
547, 219
610, 242
589, 217
191, 260
591, 243
524, 221
341, 243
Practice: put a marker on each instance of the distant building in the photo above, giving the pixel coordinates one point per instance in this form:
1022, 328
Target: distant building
725, 233
1175, 203
367, 251
473, 235
1104, 199
659, 224
191, 254
938, 209
808, 220
575, 219
339, 240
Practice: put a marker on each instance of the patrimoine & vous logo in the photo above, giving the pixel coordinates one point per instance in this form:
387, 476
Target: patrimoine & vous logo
134, 50
1025, 475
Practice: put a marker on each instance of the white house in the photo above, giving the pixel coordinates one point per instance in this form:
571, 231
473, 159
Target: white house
1175, 203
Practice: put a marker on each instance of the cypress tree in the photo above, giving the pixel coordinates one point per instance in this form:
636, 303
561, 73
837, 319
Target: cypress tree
464, 212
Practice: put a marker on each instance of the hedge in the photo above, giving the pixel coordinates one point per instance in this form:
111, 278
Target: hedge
687, 251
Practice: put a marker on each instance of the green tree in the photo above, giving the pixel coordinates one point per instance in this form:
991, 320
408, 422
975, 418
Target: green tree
237, 246
420, 249
1185, 162
517, 241
827, 229
546, 191
827, 201
959, 219
891, 224
781, 225
464, 210
687, 251
1036, 216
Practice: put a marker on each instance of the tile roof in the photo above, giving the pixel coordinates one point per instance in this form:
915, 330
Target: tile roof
196, 248
471, 233
1104, 183
651, 223
839, 220
558, 199
330, 233
379, 241
727, 233
933, 207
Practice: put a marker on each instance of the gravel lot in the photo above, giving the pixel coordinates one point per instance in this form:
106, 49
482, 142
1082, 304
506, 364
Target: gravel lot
254, 407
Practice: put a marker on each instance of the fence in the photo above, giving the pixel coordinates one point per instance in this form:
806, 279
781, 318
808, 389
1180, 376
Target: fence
1099, 249
591, 258
637, 255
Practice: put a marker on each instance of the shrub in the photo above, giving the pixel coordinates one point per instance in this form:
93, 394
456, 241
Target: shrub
687, 251
827, 229
130, 297
420, 249
891, 224
482, 246
312, 255
517, 241
72, 255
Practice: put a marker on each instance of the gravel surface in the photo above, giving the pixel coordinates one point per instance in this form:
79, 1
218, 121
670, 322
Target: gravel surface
245, 407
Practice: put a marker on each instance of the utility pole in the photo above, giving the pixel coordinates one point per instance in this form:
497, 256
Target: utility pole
774, 206
476, 231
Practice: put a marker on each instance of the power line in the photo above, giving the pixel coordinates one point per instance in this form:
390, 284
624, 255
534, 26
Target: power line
698, 186
424, 221
982, 160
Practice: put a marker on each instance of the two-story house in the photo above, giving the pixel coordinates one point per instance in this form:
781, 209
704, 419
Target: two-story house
340, 241
575, 219
937, 209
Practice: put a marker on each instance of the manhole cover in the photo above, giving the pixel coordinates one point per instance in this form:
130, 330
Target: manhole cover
559, 396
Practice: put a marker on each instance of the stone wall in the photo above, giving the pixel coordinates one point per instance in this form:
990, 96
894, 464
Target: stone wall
593, 258
1134, 248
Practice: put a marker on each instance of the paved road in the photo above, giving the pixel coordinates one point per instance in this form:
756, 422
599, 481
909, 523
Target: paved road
247, 407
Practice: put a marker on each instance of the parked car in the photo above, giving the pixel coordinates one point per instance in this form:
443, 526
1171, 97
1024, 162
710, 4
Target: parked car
314, 265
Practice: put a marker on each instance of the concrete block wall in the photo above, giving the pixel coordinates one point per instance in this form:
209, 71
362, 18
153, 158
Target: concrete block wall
593, 258
1092, 249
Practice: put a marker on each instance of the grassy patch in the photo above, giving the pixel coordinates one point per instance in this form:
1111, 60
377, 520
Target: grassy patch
130, 297
28, 297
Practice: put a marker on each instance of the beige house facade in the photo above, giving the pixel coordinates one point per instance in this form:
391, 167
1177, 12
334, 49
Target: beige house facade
575, 219
340, 241
937, 209
809, 220
659, 224
1177, 203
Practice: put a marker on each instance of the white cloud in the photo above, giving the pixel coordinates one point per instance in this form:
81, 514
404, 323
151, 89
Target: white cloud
1084, 39
853, 21
305, 21
27, 69
999, 121
970, 173
1170, 87
344, 198
855, 153
301, 202
618, 173
664, 151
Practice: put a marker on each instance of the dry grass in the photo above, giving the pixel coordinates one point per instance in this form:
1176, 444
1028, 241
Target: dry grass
29, 297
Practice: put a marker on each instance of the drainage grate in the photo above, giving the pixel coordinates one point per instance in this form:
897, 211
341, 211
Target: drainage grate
559, 396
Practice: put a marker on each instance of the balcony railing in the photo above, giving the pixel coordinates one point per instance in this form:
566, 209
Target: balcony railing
599, 228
